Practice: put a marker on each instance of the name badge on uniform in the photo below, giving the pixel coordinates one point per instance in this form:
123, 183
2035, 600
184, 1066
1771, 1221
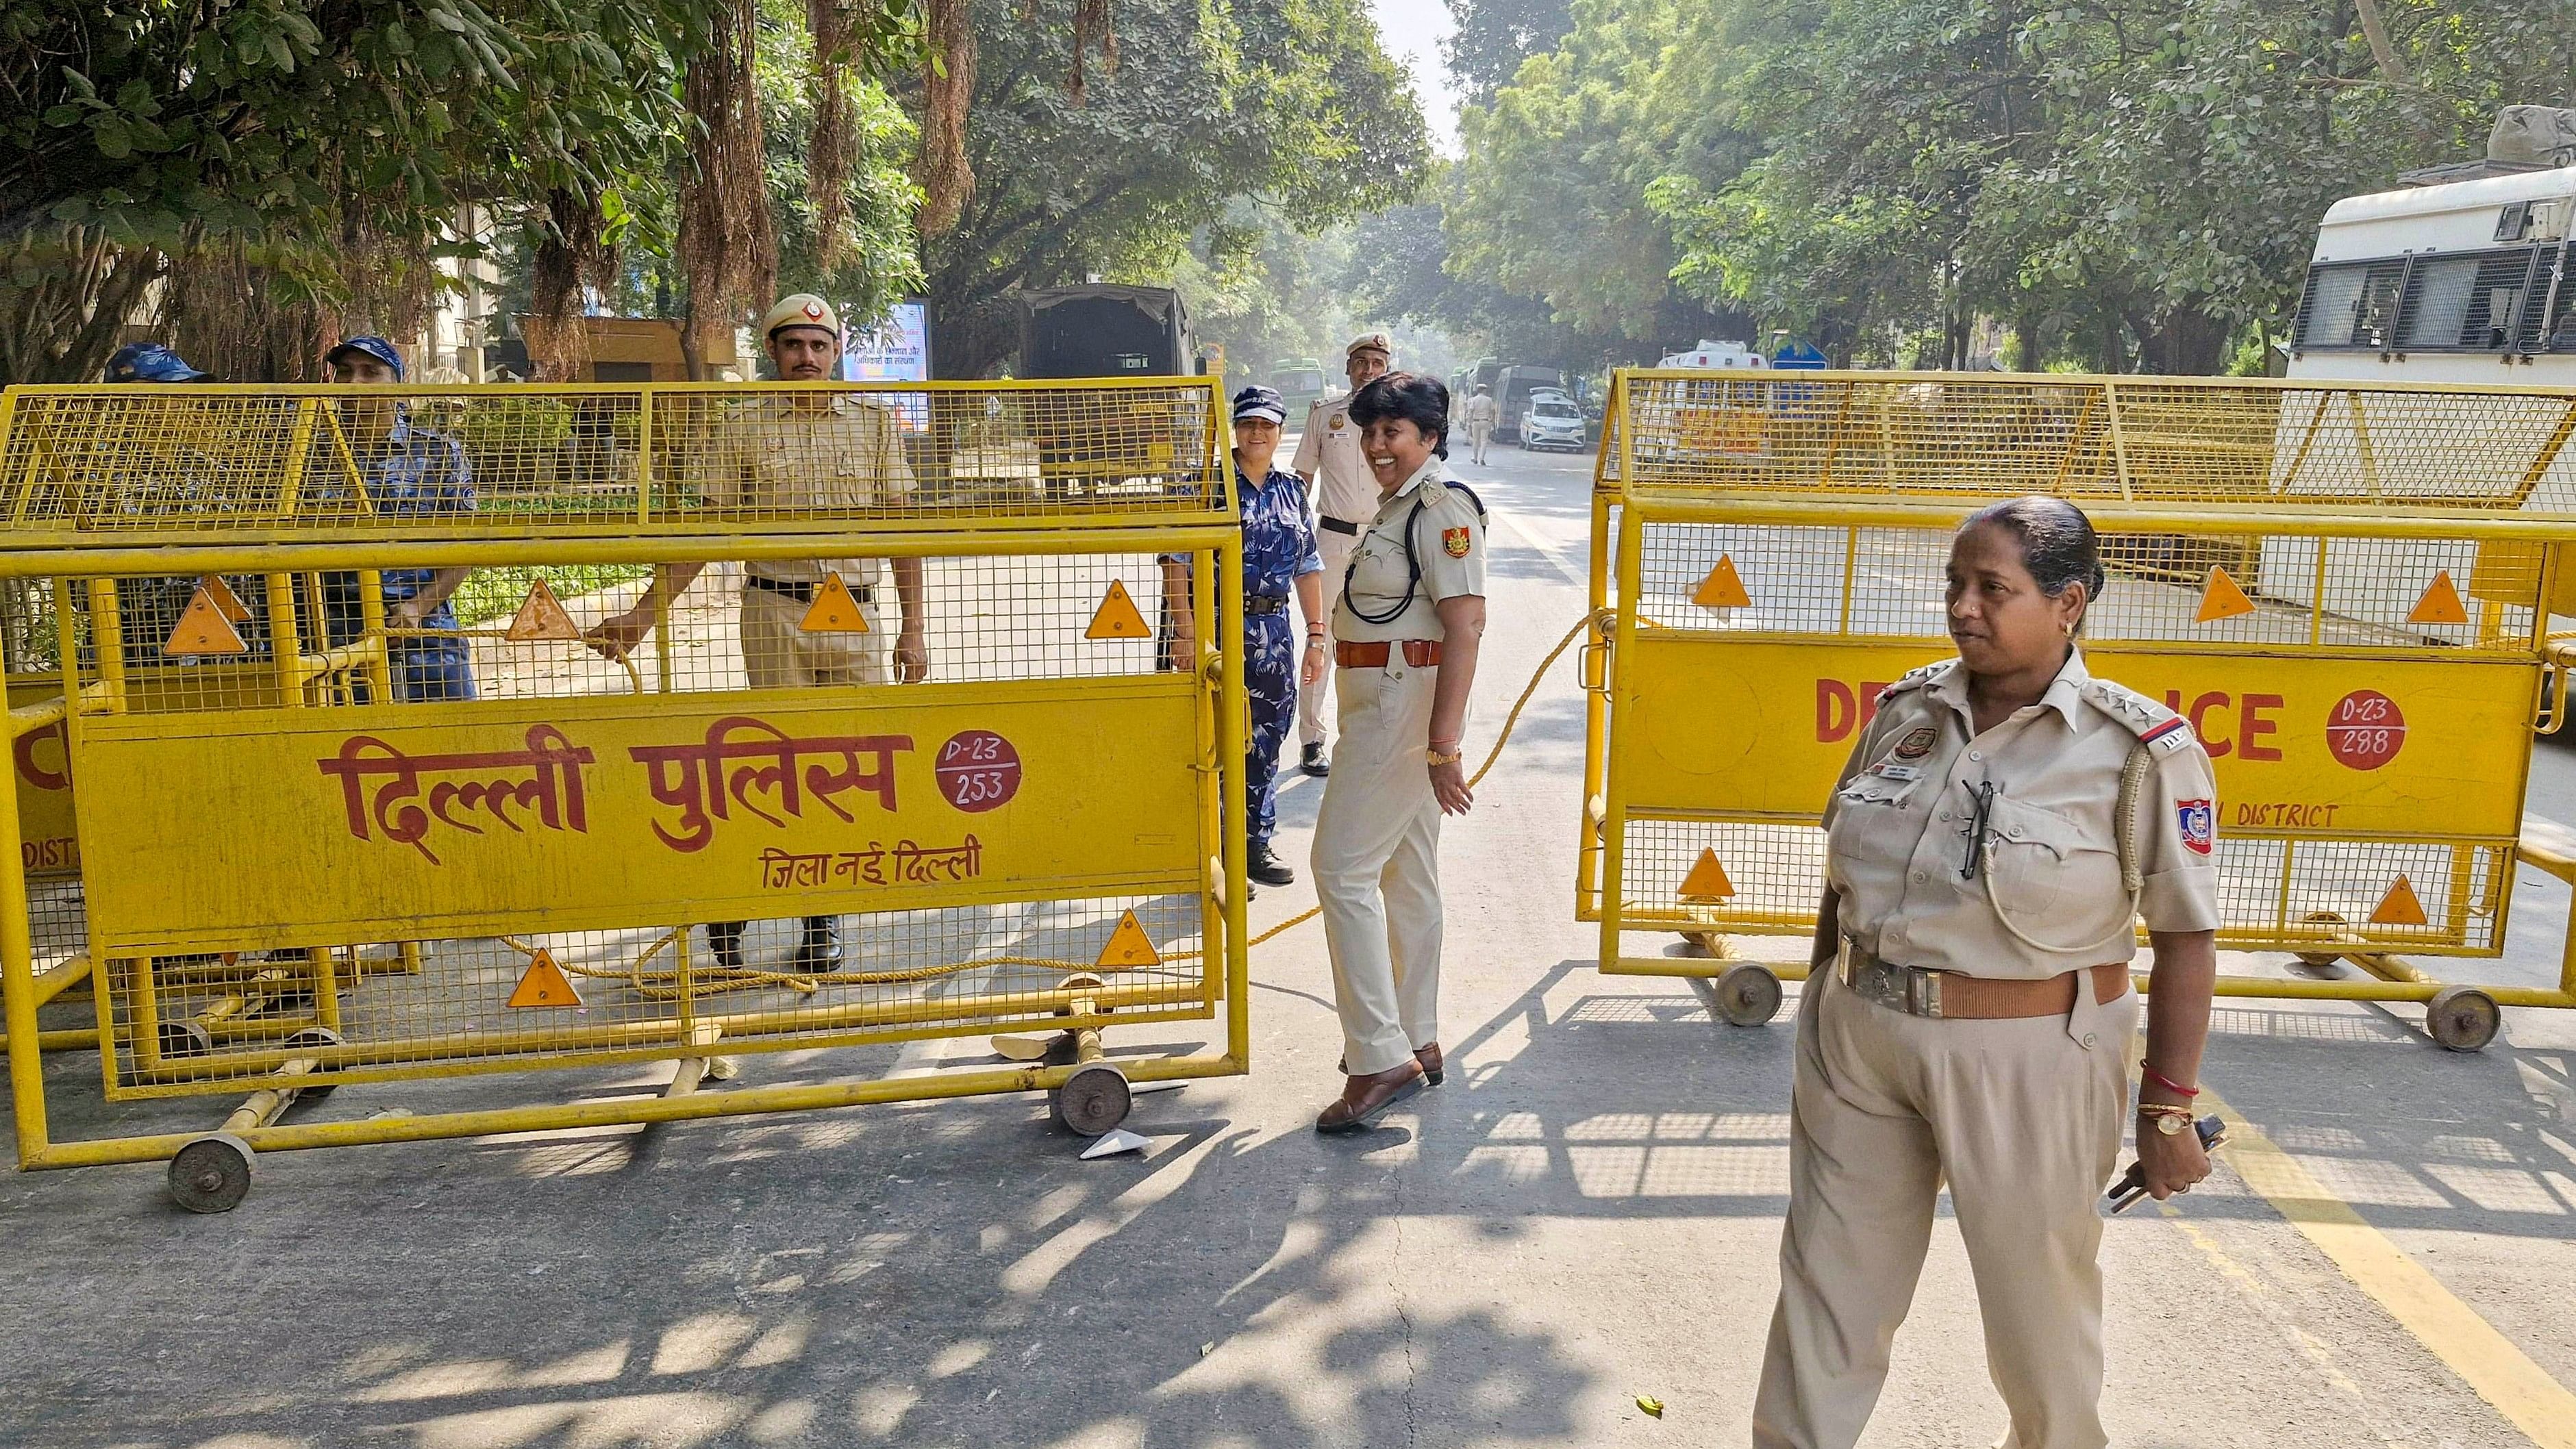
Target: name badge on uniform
1886, 771
1456, 541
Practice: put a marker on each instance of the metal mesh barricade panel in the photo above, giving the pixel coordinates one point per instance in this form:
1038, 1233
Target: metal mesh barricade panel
601, 460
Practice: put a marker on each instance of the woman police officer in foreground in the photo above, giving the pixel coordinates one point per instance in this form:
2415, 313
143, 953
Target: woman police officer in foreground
1970, 1012
1407, 619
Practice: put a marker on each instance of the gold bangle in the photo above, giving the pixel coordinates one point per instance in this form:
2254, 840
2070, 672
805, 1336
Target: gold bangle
1451, 758
2163, 1109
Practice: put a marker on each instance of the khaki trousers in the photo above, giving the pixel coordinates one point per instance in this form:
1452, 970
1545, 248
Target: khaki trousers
1336, 549
1377, 872
777, 653
1478, 435
2023, 1120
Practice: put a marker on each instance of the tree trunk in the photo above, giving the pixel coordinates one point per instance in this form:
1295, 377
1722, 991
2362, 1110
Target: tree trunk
2184, 341
2374, 28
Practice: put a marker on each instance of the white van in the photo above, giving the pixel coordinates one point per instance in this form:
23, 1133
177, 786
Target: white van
2467, 281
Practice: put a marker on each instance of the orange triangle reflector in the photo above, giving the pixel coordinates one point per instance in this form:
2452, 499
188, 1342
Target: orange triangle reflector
544, 984
540, 616
1707, 880
203, 629
1117, 618
227, 602
1723, 588
1129, 946
836, 610
2440, 603
2399, 907
2221, 599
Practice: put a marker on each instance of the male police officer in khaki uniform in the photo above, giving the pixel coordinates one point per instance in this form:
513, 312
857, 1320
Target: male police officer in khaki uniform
1479, 415
1345, 498
1970, 1013
797, 453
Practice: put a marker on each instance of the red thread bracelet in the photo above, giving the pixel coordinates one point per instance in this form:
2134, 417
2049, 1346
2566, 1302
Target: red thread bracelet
2168, 1083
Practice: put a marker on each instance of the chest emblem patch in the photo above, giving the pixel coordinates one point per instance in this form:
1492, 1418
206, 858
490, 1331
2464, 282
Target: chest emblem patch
2199, 821
1339, 421
1917, 743
1456, 542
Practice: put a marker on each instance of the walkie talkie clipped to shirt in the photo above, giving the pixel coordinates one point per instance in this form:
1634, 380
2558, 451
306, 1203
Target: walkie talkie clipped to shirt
2132, 1186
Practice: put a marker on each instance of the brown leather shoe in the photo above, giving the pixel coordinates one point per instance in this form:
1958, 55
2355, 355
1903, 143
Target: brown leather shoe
1428, 1056
1365, 1099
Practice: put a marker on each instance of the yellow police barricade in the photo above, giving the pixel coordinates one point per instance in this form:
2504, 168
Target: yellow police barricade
48, 846
2338, 585
519, 828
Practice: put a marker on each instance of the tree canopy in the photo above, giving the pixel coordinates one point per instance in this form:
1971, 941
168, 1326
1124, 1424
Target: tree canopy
1292, 102
2119, 183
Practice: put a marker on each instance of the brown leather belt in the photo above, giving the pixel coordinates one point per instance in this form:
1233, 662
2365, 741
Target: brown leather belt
1420, 653
1950, 996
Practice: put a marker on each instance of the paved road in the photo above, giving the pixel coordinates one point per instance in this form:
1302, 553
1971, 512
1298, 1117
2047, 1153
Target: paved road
1587, 1213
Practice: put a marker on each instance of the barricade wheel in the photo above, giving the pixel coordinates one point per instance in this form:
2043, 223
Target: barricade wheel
2320, 959
211, 1174
1092, 1100
2462, 1018
316, 1036
185, 1039
1748, 995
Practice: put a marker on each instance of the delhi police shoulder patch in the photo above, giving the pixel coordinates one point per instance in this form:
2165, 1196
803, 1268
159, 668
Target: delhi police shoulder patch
1456, 541
2199, 822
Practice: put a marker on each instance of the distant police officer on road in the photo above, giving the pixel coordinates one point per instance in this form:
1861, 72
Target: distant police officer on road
1410, 617
406, 469
804, 451
1479, 416
1278, 557
2001, 825
1345, 496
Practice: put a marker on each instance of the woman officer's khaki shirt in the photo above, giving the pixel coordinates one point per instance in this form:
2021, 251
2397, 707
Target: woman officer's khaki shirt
1448, 543
1898, 820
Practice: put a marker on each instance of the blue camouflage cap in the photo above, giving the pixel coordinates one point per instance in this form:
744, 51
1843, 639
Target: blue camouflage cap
1257, 401
375, 347
151, 362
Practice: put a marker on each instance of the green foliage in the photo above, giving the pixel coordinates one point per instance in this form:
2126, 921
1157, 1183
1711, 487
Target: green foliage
2125, 183
1290, 101
1488, 40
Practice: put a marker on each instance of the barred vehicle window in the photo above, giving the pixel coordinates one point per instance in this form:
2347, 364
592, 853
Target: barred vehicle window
2353, 304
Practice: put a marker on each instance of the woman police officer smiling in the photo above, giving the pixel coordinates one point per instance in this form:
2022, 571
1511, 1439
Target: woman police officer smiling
1406, 625
2002, 824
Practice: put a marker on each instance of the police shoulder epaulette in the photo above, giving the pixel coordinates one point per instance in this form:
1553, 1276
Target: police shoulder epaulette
1916, 678
2146, 718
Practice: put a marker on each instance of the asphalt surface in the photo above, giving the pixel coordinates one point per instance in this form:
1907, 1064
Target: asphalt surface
1587, 1213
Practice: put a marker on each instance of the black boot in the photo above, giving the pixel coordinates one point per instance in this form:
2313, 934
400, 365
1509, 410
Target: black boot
724, 943
819, 952
1312, 761
1261, 865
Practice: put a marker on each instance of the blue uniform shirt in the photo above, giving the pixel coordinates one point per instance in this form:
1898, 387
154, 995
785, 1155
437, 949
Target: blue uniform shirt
1278, 534
416, 471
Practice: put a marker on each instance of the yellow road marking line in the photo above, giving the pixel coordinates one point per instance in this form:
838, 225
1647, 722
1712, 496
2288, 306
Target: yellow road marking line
2503, 1375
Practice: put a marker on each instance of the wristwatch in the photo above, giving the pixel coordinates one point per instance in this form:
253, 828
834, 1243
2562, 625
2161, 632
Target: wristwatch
1437, 758
2171, 1119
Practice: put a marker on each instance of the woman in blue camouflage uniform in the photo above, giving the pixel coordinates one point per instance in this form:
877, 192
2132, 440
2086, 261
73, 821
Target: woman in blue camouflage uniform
1279, 555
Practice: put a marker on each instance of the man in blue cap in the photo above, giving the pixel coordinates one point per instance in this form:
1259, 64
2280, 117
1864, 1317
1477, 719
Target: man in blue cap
152, 362
170, 480
1279, 555
407, 469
